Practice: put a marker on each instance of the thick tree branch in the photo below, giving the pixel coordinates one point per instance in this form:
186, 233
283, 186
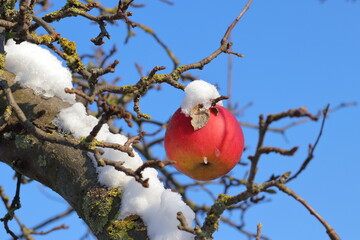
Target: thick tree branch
62, 167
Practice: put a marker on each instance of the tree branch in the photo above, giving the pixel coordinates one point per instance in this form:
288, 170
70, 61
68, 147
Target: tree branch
329, 230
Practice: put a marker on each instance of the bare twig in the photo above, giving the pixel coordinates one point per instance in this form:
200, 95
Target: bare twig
103, 33
229, 79
171, 78
258, 231
329, 230
301, 121
62, 226
137, 174
281, 151
44, 24
224, 201
233, 24
263, 128
168, 2
154, 70
184, 226
55, 218
126, 148
80, 93
15, 205
152, 164
216, 100
249, 234
312, 147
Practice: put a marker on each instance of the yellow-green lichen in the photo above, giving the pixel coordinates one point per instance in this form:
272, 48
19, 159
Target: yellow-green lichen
74, 3
74, 7
214, 221
8, 4
144, 115
97, 205
53, 15
7, 115
90, 145
128, 88
43, 39
23, 142
114, 192
74, 63
177, 72
5, 7
69, 47
2, 60
119, 229
126, 229
224, 199
71, 56
8, 112
76, 10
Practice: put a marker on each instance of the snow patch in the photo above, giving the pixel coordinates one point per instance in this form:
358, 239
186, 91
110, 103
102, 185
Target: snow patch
36, 68
156, 205
198, 92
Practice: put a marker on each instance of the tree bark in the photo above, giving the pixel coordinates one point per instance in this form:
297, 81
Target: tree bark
66, 170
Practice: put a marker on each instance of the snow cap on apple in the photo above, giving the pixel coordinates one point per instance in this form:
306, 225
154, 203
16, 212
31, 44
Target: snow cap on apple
203, 138
198, 92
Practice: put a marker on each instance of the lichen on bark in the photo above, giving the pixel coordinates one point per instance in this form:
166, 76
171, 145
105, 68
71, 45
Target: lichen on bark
132, 227
98, 207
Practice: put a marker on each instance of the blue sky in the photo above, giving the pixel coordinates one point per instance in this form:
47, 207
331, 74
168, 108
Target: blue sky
303, 53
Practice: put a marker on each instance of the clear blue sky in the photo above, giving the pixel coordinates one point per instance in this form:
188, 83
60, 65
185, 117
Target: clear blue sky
297, 53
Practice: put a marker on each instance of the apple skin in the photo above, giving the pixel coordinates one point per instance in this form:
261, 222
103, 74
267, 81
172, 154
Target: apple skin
207, 153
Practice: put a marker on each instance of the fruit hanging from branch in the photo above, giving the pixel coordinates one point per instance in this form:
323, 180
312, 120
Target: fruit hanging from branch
205, 140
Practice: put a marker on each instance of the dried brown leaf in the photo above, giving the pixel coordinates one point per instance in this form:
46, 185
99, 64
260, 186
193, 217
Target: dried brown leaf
199, 116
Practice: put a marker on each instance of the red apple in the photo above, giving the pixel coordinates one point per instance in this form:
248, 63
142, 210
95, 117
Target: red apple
209, 152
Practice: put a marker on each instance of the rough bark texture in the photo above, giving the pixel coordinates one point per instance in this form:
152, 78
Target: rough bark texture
66, 170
